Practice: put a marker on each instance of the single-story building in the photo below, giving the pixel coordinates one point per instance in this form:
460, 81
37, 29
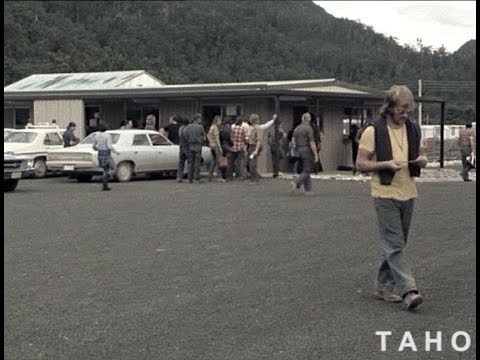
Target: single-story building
115, 96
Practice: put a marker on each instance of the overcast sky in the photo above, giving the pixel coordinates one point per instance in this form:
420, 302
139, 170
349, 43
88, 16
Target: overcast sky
437, 23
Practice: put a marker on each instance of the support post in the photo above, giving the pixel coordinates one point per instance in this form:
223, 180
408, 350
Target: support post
276, 100
442, 126
420, 102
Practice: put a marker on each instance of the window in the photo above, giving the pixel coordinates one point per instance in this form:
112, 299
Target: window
89, 139
20, 137
209, 111
141, 140
52, 139
158, 140
92, 114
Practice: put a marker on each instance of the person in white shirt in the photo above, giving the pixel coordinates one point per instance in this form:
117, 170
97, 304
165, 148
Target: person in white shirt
248, 130
103, 144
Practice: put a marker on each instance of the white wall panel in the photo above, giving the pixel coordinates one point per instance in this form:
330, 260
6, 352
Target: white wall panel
63, 111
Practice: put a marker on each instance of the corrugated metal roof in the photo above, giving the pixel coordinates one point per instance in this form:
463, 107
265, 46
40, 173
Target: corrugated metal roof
293, 83
141, 84
108, 80
333, 89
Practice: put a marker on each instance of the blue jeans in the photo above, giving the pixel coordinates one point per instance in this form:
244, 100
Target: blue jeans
194, 162
306, 158
394, 218
465, 164
182, 159
105, 162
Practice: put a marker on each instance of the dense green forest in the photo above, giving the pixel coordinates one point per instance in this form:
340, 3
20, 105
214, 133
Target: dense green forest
228, 41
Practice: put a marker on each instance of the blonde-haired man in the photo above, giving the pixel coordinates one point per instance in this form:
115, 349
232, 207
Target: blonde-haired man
390, 149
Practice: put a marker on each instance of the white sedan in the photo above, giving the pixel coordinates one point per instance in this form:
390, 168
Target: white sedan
140, 152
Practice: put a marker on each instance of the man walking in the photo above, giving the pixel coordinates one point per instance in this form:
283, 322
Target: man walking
304, 142
103, 144
466, 142
390, 149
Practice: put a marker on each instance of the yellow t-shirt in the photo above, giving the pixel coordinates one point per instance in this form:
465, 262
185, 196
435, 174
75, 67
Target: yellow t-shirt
403, 185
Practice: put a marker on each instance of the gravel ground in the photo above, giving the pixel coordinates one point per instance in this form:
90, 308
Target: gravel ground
159, 270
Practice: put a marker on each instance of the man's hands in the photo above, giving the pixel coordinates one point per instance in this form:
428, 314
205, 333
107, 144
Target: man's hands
421, 161
393, 165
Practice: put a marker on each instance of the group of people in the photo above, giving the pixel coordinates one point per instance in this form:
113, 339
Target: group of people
235, 145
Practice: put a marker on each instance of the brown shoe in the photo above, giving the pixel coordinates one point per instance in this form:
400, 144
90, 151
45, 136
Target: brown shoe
412, 300
387, 296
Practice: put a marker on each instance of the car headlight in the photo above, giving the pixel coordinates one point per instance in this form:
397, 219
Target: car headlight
30, 164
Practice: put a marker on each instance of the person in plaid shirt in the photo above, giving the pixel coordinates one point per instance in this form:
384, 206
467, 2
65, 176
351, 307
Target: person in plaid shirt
237, 155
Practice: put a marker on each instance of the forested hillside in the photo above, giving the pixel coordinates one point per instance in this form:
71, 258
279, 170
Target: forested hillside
224, 41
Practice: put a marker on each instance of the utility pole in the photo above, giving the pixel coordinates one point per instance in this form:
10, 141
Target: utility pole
420, 103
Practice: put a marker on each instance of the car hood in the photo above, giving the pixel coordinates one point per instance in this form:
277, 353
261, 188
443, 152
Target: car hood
74, 149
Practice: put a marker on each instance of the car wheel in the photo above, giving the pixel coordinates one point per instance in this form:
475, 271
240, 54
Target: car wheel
40, 168
84, 178
124, 172
10, 184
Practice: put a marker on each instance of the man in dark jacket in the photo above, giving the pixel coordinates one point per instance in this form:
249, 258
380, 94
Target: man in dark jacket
69, 138
182, 149
195, 136
390, 149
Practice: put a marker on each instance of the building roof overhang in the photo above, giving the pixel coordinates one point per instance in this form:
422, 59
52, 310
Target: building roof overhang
328, 89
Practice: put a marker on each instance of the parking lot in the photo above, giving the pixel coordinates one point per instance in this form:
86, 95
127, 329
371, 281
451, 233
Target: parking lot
159, 270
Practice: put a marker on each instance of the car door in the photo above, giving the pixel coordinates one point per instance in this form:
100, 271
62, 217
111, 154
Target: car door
143, 153
166, 154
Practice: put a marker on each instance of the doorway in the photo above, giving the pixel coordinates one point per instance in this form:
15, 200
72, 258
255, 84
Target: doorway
208, 113
298, 111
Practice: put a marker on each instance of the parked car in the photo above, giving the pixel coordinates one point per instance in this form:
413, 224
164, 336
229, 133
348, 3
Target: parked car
6, 131
14, 168
36, 142
140, 152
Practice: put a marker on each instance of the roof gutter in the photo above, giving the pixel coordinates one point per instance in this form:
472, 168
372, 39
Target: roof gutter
256, 90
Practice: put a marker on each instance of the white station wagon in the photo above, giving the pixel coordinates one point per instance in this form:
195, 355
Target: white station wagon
141, 152
35, 142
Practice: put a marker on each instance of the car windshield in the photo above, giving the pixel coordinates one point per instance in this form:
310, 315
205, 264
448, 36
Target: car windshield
20, 137
89, 138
